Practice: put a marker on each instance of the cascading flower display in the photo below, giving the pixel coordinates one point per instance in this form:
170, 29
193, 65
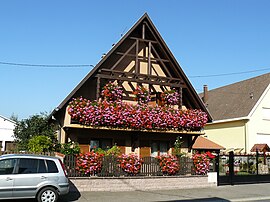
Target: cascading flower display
170, 97
112, 92
130, 163
124, 115
89, 163
168, 164
141, 95
202, 162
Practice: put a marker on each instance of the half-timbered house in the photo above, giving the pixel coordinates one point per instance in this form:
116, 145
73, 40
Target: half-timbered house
140, 58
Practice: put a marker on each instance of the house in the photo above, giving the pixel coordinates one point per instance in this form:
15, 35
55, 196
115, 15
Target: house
140, 61
6, 133
241, 114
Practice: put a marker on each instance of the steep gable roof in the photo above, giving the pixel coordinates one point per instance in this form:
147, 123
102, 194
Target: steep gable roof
174, 73
238, 99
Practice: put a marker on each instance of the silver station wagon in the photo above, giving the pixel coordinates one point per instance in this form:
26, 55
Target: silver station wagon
32, 176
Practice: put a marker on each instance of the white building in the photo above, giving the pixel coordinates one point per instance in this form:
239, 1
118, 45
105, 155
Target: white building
241, 114
6, 133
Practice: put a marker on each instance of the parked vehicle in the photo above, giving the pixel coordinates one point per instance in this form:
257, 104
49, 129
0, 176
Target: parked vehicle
32, 176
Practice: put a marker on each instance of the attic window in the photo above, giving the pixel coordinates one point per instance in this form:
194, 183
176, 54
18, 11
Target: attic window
266, 113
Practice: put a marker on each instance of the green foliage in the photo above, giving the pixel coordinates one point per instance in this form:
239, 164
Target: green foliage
114, 151
36, 125
14, 117
177, 147
70, 148
99, 151
39, 143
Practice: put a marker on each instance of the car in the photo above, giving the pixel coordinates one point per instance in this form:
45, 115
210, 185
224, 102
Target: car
32, 176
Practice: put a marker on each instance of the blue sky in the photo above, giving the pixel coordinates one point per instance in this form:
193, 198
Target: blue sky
206, 37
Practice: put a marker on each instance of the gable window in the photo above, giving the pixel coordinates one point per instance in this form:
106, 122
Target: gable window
266, 113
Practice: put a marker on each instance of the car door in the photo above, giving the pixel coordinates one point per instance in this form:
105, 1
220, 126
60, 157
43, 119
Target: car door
28, 177
6, 177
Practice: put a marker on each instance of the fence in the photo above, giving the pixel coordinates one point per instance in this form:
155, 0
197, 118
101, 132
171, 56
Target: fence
239, 169
111, 168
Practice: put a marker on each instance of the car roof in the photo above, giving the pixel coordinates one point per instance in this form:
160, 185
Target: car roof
27, 156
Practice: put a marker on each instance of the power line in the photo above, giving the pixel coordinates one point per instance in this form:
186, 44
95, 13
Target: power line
229, 74
44, 65
84, 65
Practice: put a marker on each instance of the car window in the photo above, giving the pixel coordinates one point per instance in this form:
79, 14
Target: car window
7, 166
42, 166
52, 168
27, 166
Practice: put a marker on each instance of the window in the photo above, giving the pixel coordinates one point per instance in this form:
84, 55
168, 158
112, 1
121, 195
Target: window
266, 113
52, 168
42, 166
28, 166
104, 144
10, 146
159, 148
7, 166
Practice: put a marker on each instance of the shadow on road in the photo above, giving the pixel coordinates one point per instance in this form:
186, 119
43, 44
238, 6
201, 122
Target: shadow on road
73, 195
212, 199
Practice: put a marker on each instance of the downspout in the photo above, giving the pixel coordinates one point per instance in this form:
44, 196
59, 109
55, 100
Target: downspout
245, 137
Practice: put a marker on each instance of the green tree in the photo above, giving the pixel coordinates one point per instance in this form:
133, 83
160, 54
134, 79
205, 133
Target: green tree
14, 117
36, 125
40, 143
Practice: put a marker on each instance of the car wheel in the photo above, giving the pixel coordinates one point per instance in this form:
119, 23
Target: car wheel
47, 194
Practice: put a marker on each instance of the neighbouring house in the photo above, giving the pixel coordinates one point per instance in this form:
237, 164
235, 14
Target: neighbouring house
6, 134
203, 144
241, 114
157, 105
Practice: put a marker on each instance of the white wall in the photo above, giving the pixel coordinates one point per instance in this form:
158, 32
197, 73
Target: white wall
258, 128
6, 131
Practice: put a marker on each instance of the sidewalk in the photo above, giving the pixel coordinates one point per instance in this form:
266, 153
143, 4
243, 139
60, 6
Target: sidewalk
236, 193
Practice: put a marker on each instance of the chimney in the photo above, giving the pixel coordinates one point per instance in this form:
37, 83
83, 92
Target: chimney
205, 93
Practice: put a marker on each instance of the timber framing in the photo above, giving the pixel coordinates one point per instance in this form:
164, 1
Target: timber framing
141, 57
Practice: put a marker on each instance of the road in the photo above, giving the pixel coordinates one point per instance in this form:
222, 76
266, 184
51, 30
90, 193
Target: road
237, 193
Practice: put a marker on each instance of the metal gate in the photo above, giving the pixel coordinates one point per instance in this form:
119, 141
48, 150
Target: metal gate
243, 169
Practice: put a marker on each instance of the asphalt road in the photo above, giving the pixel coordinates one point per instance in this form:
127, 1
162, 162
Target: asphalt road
237, 193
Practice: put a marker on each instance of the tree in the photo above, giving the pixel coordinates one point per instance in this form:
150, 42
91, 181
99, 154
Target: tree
36, 125
40, 143
14, 117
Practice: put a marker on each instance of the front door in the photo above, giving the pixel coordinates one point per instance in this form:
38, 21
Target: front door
6, 177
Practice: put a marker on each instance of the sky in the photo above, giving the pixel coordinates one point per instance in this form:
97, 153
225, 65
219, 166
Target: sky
215, 42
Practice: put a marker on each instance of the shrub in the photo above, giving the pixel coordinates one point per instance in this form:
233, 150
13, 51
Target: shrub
131, 163
202, 162
40, 143
89, 163
168, 164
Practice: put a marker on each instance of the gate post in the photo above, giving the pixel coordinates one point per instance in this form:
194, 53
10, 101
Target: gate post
217, 167
231, 167
257, 162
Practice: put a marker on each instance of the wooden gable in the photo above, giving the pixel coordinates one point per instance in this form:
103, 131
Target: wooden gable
141, 57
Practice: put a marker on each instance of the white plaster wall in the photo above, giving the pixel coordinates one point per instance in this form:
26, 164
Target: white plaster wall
258, 128
6, 131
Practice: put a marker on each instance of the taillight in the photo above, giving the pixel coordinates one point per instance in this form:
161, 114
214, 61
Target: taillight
64, 168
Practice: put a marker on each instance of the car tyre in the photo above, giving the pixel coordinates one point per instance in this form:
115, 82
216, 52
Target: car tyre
47, 194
